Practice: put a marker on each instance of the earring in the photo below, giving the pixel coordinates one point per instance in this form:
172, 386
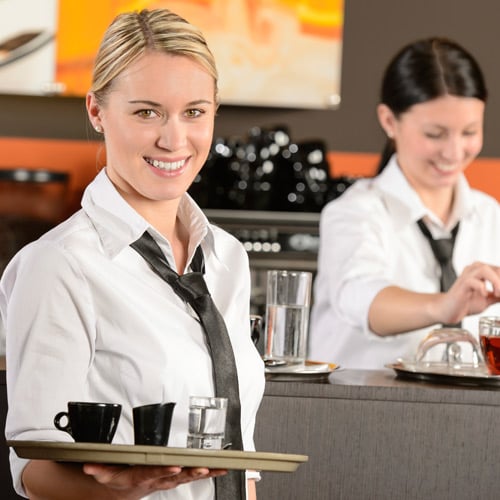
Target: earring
98, 129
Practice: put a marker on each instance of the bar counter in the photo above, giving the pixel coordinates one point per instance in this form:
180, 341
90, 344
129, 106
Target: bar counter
369, 435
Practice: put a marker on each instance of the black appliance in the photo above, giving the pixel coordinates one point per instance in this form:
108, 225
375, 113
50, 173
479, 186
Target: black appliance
273, 240
267, 171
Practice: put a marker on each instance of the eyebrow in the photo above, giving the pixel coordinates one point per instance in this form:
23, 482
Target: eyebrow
157, 104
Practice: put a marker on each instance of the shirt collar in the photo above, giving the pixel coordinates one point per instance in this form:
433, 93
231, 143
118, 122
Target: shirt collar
405, 205
119, 225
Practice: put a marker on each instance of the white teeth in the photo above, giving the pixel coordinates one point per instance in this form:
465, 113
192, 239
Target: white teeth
166, 165
446, 168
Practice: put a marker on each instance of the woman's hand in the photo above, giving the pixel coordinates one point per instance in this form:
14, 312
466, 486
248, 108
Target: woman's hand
70, 481
396, 310
474, 290
135, 482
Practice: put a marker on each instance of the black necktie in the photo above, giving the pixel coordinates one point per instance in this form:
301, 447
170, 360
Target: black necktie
191, 287
443, 251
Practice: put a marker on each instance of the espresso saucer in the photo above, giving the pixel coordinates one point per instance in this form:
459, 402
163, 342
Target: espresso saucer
310, 371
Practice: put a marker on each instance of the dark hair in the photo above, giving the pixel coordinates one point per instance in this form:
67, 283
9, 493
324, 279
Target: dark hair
424, 70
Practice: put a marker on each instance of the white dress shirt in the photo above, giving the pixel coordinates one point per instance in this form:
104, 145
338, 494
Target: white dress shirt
87, 320
369, 239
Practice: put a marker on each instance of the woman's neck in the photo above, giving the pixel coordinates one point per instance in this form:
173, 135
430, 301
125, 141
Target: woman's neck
163, 217
439, 202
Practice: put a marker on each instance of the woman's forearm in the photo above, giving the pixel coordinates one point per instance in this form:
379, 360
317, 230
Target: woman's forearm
395, 310
251, 490
56, 481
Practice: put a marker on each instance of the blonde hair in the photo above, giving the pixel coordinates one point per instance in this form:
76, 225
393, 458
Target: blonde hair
132, 34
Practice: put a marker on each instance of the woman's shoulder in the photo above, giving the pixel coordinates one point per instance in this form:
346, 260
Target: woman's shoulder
52, 249
484, 199
363, 196
483, 211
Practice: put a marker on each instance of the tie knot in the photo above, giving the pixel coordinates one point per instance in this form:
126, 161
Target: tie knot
192, 284
443, 249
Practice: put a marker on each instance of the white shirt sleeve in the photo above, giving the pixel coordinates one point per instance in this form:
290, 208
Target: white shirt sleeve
353, 266
2, 338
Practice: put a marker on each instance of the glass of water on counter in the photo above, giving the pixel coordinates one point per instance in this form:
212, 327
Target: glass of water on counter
288, 301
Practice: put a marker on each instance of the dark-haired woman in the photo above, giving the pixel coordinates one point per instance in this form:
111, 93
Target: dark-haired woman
379, 287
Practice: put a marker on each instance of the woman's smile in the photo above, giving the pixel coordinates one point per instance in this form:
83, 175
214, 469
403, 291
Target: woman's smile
167, 166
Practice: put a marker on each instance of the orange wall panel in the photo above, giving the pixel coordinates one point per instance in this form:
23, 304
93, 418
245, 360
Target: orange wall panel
83, 159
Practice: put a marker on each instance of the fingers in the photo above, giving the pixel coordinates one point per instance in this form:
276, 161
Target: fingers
491, 280
482, 278
125, 474
185, 476
168, 481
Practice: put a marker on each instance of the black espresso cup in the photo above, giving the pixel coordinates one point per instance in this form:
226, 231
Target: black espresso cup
152, 423
90, 422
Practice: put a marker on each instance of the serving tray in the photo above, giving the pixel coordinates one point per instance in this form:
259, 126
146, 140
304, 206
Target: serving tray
156, 455
444, 374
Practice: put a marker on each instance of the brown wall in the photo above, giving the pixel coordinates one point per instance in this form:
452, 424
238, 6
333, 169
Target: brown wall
374, 30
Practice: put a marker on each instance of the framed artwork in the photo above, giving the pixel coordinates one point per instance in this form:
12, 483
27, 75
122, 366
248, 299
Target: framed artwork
27, 46
273, 53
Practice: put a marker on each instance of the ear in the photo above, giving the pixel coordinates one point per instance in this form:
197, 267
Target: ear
386, 119
93, 111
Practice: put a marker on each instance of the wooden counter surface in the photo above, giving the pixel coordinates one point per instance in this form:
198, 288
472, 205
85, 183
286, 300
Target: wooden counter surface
383, 385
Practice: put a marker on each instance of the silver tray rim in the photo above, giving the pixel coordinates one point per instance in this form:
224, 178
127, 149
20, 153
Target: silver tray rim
437, 375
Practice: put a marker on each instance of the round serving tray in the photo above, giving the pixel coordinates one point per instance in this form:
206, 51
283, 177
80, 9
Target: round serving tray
443, 374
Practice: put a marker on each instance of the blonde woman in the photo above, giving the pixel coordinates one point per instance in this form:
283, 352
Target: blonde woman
86, 317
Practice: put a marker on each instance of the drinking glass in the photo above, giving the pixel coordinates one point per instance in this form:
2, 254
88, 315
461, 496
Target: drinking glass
207, 422
287, 316
489, 338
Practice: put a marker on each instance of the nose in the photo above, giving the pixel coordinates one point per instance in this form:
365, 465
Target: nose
172, 135
454, 149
